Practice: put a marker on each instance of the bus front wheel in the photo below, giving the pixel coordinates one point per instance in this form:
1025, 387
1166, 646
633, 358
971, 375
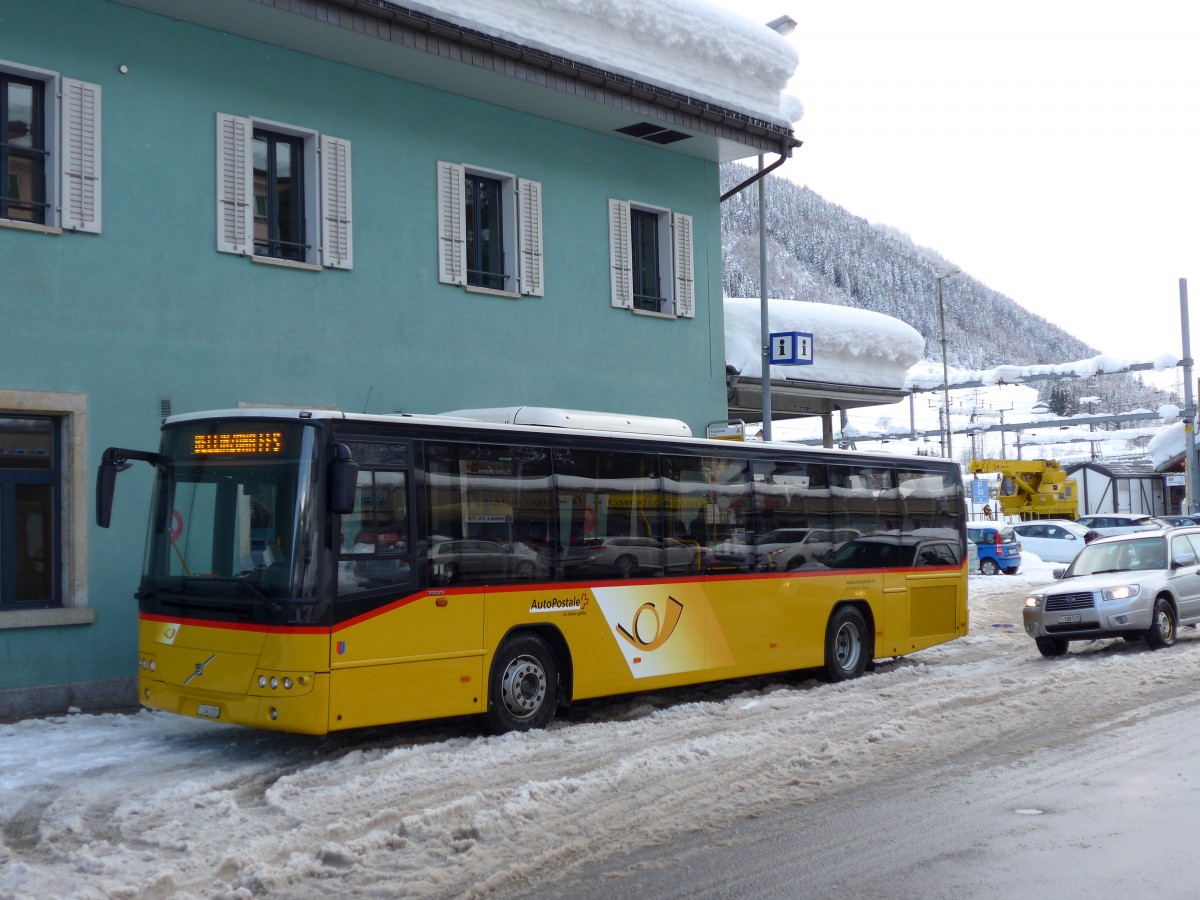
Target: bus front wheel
846, 645
523, 689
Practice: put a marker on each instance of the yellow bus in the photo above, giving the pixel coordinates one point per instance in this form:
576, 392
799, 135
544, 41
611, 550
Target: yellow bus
313, 571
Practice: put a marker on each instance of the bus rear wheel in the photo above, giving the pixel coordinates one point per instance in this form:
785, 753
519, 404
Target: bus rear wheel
523, 688
846, 645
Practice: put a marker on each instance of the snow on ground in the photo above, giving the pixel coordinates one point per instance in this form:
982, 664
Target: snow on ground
138, 804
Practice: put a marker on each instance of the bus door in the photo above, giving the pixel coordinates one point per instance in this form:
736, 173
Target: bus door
396, 653
933, 526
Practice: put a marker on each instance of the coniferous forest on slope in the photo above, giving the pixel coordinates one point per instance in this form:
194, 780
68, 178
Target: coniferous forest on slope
818, 251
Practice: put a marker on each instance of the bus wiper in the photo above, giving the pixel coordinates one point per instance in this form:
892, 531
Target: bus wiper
236, 579
253, 587
151, 593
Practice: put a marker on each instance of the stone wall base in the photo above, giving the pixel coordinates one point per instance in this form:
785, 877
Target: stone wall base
86, 696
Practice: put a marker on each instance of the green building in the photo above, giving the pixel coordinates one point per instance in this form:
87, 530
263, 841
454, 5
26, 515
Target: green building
335, 203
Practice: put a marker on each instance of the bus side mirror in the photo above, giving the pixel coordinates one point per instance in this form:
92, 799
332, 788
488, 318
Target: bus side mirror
106, 484
114, 460
343, 480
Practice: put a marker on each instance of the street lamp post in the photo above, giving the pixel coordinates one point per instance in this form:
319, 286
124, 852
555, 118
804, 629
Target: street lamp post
945, 369
782, 25
764, 322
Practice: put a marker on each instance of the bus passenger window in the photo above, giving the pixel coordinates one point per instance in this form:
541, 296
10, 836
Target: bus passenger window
612, 521
374, 539
490, 513
792, 516
713, 494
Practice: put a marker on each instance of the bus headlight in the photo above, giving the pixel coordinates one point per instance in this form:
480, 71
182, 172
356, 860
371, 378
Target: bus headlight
299, 683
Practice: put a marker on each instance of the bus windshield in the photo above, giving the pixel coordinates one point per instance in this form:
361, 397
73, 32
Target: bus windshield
232, 522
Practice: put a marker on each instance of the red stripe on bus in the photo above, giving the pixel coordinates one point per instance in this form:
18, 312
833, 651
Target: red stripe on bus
233, 626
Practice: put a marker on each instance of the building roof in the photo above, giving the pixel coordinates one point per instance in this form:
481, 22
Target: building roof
1136, 468
532, 67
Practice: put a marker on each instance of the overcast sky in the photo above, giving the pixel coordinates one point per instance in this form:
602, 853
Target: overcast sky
1046, 147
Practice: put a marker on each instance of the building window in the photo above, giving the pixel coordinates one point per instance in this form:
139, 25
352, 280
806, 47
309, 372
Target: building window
648, 290
23, 153
489, 230
279, 196
650, 252
43, 509
283, 193
30, 529
49, 150
485, 232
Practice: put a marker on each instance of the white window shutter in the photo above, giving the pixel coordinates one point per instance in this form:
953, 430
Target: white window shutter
80, 156
452, 225
529, 233
337, 233
685, 289
620, 254
235, 185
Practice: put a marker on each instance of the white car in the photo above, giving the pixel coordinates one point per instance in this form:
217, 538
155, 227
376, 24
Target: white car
790, 548
1112, 523
1053, 540
625, 556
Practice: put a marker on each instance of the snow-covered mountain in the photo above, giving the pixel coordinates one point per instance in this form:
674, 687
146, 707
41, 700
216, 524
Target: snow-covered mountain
818, 251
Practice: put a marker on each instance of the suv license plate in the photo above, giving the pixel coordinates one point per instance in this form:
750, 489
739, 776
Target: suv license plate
1067, 620
214, 712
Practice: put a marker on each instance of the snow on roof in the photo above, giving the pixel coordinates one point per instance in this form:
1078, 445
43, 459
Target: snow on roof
861, 347
1168, 445
689, 46
929, 375
850, 346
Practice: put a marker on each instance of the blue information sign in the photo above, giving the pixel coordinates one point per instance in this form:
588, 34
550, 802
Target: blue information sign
791, 348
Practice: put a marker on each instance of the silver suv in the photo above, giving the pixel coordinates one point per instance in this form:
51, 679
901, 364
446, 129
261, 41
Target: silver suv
1104, 524
1142, 585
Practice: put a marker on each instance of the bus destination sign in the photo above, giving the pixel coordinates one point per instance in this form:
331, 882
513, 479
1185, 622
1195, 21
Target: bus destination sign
243, 443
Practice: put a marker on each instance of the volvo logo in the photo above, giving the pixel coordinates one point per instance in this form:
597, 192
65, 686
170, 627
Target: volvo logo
199, 669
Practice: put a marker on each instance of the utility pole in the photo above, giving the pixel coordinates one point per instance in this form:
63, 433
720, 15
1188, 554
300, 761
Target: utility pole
1192, 500
949, 448
764, 324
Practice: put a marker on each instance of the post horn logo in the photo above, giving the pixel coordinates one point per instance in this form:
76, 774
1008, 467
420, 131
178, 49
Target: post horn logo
663, 627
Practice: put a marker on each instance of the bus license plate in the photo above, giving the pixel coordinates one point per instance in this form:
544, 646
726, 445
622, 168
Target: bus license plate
208, 712
1067, 620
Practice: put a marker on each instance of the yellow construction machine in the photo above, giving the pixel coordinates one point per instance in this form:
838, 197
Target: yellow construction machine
1032, 488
